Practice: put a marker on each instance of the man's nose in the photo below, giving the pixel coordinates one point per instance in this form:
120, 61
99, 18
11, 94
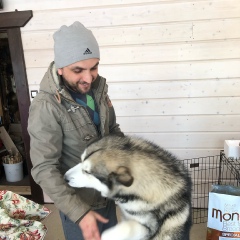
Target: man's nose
87, 77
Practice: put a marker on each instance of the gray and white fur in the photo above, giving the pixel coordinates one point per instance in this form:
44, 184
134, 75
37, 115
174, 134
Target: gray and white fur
151, 187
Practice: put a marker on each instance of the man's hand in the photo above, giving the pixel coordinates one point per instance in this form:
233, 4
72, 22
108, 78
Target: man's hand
89, 226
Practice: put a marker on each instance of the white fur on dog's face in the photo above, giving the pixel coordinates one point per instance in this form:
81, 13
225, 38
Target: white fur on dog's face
80, 176
83, 155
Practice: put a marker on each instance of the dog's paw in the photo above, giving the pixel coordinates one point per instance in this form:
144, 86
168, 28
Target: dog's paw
119, 232
127, 230
108, 235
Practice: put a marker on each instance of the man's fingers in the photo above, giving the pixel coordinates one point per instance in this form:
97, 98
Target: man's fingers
89, 226
100, 218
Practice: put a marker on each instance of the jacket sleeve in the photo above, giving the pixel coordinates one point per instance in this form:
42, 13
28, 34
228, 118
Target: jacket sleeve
113, 125
45, 151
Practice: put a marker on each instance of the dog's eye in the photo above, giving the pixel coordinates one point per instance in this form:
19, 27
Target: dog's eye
86, 172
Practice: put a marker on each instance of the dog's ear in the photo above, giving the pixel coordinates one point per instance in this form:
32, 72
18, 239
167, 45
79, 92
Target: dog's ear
122, 175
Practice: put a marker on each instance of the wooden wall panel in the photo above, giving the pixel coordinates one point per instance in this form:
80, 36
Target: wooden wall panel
175, 89
152, 53
175, 124
190, 140
11, 5
172, 71
184, 106
172, 66
138, 14
158, 71
194, 153
218, 29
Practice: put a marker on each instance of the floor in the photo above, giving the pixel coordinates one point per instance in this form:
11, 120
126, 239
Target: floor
55, 232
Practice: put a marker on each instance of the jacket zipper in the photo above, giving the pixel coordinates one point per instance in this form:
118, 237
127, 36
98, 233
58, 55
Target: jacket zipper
76, 106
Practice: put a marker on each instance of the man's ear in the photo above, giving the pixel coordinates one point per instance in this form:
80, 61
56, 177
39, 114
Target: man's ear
60, 71
123, 176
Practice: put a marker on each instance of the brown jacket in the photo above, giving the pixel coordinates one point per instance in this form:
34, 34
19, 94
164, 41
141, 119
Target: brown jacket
59, 130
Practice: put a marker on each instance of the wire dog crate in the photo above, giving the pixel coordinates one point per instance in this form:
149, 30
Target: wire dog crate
205, 172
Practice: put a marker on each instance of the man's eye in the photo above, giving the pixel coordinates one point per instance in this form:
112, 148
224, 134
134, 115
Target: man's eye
77, 71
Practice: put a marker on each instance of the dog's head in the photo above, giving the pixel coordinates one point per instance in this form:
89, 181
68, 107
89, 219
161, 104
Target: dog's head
103, 168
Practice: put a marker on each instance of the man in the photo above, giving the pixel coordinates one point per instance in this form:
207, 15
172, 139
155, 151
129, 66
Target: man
71, 111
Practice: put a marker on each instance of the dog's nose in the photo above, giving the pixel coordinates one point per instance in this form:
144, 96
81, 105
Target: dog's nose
65, 178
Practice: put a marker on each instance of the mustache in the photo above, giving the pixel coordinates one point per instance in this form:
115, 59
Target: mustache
83, 82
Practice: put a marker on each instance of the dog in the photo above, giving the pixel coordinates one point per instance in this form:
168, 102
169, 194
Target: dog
150, 185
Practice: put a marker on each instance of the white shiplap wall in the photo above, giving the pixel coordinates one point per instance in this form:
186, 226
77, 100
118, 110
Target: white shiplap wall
173, 66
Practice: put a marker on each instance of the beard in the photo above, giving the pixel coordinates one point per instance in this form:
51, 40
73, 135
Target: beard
79, 87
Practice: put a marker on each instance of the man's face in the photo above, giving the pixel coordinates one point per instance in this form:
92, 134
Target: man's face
80, 75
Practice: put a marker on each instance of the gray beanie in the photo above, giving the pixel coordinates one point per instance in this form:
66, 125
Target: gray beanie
73, 44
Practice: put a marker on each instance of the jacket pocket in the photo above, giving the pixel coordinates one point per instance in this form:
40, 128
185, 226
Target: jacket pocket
78, 122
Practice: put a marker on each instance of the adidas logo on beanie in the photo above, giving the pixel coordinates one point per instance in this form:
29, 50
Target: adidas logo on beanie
87, 51
73, 44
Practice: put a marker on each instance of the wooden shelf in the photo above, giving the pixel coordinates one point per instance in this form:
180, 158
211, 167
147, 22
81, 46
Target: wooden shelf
22, 190
21, 187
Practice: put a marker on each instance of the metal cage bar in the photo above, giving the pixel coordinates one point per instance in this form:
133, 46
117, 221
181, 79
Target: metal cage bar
206, 171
